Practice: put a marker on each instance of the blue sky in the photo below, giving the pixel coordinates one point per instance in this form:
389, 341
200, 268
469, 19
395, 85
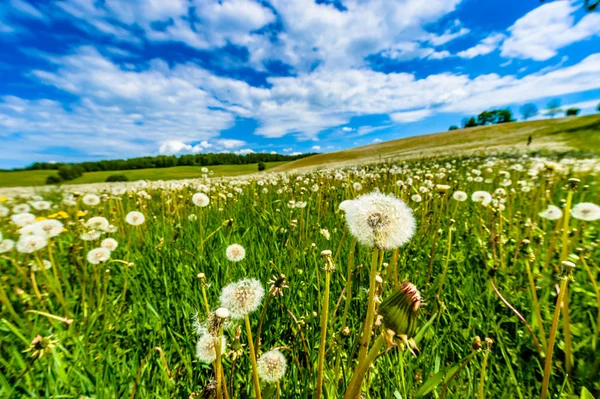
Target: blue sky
103, 79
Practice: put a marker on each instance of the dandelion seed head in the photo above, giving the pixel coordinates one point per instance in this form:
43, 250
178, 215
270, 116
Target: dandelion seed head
91, 199
31, 243
482, 197
379, 220
135, 218
460, 196
6, 245
235, 252
98, 255
109, 243
271, 366
200, 199
206, 347
586, 211
242, 297
23, 219
551, 213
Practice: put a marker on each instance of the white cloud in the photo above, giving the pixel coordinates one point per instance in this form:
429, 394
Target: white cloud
173, 147
295, 153
26, 9
540, 33
347, 129
484, 47
456, 31
377, 141
584, 105
230, 143
405, 51
410, 116
316, 148
244, 151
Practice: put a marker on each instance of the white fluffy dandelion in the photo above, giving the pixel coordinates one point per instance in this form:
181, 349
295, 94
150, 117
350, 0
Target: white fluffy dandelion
242, 297
21, 208
48, 228
271, 366
200, 199
482, 196
91, 199
205, 348
135, 218
22, 219
235, 252
98, 255
6, 245
109, 243
379, 220
551, 213
586, 211
31, 243
97, 223
46, 265
460, 196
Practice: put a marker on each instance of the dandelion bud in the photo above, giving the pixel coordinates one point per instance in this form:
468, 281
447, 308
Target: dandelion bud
476, 345
488, 343
400, 310
378, 279
573, 182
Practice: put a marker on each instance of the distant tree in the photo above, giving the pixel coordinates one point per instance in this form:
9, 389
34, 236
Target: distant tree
528, 110
70, 172
572, 111
503, 115
53, 179
598, 107
453, 127
553, 108
116, 178
485, 118
469, 122
261, 166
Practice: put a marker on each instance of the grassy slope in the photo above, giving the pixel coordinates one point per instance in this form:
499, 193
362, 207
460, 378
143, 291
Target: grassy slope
578, 133
38, 177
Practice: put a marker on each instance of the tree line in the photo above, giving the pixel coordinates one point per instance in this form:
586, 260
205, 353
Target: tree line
529, 110
165, 161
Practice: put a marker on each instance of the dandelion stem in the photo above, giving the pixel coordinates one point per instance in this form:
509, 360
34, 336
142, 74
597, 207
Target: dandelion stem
563, 257
439, 293
482, 378
252, 358
366, 334
323, 341
218, 364
353, 390
536, 305
548, 364
596, 290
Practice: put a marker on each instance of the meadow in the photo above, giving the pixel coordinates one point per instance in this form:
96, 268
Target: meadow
38, 177
449, 277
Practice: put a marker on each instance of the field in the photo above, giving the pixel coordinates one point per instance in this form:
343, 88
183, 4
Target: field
476, 277
547, 135
38, 177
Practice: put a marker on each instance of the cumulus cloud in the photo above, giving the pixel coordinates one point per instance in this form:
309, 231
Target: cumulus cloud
540, 33
410, 116
484, 47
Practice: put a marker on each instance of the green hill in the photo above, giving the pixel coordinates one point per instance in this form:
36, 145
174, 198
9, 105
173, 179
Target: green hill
561, 134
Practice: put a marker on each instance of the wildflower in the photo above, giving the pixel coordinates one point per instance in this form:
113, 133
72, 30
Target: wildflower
21, 208
235, 252
109, 243
460, 196
344, 205
325, 233
4, 211
30, 244
6, 245
200, 199
271, 366
90, 235
22, 219
586, 211
97, 223
46, 264
135, 218
98, 255
242, 297
91, 199
400, 310
382, 221
192, 217
357, 186
551, 213
48, 228
416, 198
41, 346
205, 348
482, 196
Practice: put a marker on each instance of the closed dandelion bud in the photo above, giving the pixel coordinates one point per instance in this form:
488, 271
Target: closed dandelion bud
573, 182
476, 345
400, 310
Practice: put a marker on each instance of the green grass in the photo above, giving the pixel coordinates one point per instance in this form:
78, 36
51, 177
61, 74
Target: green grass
38, 177
560, 134
133, 316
